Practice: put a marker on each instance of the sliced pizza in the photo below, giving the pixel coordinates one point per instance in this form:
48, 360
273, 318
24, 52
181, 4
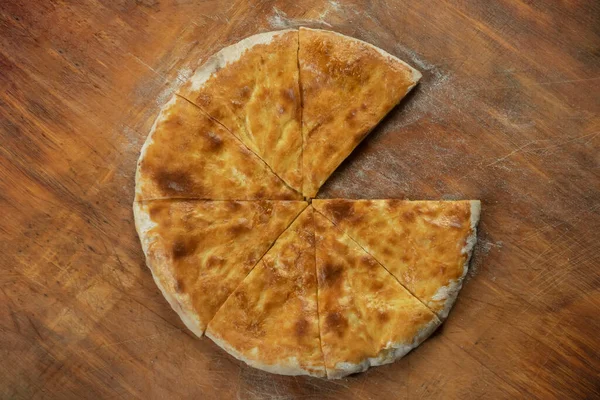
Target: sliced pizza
347, 86
199, 251
426, 245
270, 321
366, 317
252, 88
189, 155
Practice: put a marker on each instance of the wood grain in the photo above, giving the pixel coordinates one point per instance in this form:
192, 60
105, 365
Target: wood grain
507, 112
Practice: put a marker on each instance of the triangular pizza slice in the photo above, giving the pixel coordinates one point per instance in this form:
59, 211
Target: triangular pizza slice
199, 251
270, 321
426, 245
252, 88
189, 155
347, 86
366, 317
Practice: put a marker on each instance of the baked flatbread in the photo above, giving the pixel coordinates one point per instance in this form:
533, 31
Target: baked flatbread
270, 321
348, 86
426, 245
188, 155
252, 88
199, 251
366, 317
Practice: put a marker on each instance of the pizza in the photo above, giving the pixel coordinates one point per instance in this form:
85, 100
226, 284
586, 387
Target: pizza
367, 317
234, 240
252, 89
426, 245
199, 251
279, 295
190, 155
348, 86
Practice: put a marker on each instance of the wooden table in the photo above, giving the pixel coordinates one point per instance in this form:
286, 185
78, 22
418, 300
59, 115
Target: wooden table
507, 112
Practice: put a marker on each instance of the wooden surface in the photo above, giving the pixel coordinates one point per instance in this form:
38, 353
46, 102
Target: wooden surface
507, 112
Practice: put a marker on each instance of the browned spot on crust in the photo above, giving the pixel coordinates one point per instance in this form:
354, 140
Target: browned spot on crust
156, 209
350, 116
393, 241
245, 92
336, 322
233, 205
383, 316
288, 196
394, 203
182, 248
370, 261
329, 149
173, 182
339, 210
241, 226
214, 261
376, 286
409, 216
261, 193
330, 274
308, 236
288, 94
179, 285
242, 298
266, 207
214, 140
204, 100
301, 327
255, 328
442, 269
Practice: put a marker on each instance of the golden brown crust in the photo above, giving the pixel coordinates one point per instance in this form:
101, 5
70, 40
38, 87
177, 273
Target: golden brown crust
319, 301
424, 244
366, 317
348, 86
252, 88
199, 251
270, 321
189, 155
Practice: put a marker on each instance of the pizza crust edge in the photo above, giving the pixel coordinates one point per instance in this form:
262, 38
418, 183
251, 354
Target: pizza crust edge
163, 278
291, 367
149, 140
391, 353
227, 55
449, 293
415, 74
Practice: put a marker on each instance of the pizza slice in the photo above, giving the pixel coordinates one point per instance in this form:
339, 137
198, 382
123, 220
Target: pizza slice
252, 88
189, 155
366, 317
347, 86
199, 251
426, 245
270, 321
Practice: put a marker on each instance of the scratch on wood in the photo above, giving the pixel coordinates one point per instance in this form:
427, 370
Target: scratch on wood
133, 340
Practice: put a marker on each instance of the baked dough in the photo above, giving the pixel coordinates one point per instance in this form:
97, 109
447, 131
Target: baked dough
189, 155
327, 289
199, 251
426, 245
252, 88
348, 86
367, 318
271, 321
